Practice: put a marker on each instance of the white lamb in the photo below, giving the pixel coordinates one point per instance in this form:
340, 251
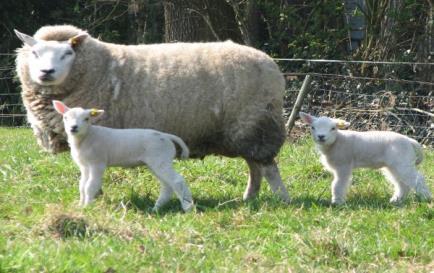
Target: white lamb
342, 151
94, 148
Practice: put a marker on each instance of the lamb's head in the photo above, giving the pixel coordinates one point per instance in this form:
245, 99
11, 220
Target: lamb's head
323, 129
76, 120
50, 61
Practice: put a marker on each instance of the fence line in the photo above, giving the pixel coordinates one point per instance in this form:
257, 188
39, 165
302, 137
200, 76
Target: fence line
366, 102
349, 61
356, 77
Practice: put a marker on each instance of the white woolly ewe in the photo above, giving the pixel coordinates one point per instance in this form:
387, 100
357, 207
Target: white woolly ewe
219, 97
94, 148
342, 151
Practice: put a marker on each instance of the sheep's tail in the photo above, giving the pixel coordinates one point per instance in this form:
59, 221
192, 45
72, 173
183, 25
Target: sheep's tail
185, 151
418, 150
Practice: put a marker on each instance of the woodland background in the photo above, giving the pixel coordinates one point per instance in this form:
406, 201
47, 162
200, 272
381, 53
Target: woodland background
369, 30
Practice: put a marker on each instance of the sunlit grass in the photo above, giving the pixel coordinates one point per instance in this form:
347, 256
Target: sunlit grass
42, 229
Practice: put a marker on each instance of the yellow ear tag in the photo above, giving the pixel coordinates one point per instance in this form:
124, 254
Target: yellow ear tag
93, 112
73, 41
341, 124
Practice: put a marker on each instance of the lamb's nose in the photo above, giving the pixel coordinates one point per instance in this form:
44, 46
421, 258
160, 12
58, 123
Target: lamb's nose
321, 137
47, 71
74, 129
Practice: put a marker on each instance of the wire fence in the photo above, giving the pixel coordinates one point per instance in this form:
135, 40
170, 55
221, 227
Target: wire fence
380, 100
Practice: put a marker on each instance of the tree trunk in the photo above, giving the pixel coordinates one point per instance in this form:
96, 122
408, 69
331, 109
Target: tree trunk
199, 20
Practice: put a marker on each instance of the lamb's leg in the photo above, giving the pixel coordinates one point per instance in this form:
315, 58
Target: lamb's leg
83, 179
272, 175
165, 172
400, 188
254, 183
340, 184
421, 188
165, 194
93, 184
405, 177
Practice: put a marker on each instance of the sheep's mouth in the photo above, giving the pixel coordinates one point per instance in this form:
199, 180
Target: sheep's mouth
46, 78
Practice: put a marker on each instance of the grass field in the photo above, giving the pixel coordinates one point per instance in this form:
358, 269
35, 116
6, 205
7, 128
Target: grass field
42, 229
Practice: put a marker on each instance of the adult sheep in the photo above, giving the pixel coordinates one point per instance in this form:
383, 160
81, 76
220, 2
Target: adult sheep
220, 98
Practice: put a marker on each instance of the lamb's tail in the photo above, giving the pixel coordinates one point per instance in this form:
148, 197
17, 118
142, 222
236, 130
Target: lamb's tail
185, 151
418, 150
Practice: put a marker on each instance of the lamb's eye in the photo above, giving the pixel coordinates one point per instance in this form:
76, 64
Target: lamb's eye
333, 128
35, 54
65, 118
86, 119
313, 128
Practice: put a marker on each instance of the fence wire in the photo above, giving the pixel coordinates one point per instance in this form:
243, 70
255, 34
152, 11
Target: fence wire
384, 102
379, 101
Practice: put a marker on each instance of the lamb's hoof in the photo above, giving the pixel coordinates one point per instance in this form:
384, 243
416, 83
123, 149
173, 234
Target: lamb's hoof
249, 195
396, 200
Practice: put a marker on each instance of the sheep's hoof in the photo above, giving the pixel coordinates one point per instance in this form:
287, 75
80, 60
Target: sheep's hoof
190, 207
155, 209
338, 202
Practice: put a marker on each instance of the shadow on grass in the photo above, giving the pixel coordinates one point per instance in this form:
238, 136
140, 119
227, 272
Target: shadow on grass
146, 203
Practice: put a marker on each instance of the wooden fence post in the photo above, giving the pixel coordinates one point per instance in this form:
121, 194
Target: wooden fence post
301, 94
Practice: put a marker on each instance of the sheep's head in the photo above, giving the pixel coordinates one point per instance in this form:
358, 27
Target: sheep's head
323, 129
76, 120
50, 61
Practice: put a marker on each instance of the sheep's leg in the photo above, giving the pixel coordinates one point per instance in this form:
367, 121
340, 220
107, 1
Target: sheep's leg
165, 194
93, 184
83, 179
254, 183
340, 184
272, 175
166, 173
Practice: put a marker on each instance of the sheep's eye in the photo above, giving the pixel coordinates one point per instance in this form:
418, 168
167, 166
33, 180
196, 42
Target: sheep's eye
86, 119
35, 54
333, 128
313, 128
67, 53
64, 117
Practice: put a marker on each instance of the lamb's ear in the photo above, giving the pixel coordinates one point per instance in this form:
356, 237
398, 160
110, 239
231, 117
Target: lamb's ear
342, 124
60, 107
306, 118
78, 39
28, 40
96, 112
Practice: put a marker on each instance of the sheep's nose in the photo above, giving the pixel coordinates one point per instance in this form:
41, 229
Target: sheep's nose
74, 129
321, 137
48, 71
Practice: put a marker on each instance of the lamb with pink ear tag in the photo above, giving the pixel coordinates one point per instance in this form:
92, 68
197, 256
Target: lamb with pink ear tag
94, 148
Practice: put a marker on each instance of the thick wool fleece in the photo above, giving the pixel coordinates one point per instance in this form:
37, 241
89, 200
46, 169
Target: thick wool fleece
221, 97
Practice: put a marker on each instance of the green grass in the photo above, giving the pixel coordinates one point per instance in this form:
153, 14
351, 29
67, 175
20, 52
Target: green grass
42, 229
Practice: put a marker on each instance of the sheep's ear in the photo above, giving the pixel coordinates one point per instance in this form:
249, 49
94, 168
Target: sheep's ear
306, 118
96, 112
342, 124
78, 39
60, 107
26, 39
